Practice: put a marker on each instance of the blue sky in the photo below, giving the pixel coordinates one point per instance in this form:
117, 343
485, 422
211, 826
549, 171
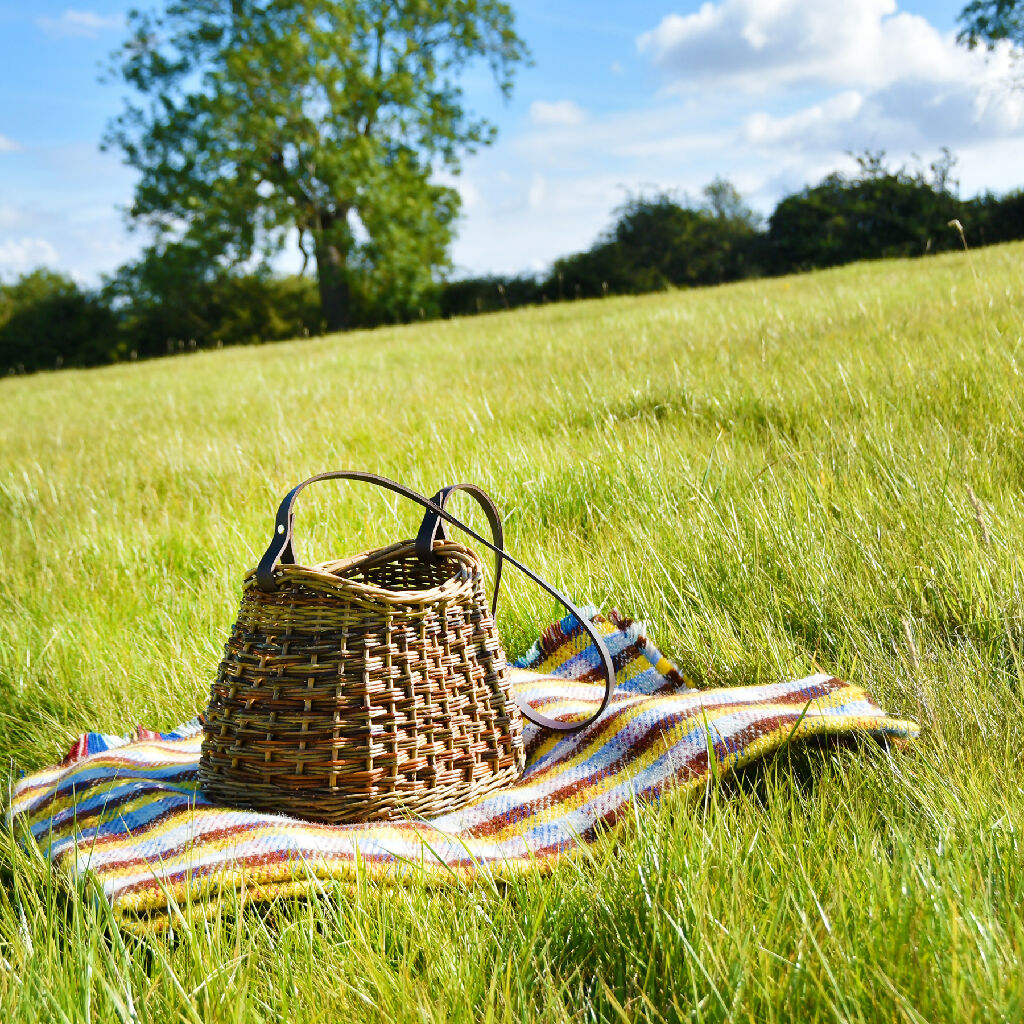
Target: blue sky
622, 96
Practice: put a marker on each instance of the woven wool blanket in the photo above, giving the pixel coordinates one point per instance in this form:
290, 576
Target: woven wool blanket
127, 813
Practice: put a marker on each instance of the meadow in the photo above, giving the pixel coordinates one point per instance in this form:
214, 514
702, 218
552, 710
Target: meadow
822, 472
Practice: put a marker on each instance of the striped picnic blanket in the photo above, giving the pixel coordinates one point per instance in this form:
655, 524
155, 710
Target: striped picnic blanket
126, 812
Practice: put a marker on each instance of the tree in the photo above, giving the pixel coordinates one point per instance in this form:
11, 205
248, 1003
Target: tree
988, 22
877, 212
168, 301
327, 120
47, 321
723, 201
941, 168
660, 240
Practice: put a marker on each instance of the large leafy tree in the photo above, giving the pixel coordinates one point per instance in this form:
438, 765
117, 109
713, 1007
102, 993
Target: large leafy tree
988, 22
254, 122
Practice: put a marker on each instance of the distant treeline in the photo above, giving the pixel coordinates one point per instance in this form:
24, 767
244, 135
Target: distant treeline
162, 304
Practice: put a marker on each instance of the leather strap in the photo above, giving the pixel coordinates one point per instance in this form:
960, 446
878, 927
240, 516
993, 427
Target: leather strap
433, 529
281, 551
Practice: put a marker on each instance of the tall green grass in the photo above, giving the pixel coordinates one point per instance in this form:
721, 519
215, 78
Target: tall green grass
823, 472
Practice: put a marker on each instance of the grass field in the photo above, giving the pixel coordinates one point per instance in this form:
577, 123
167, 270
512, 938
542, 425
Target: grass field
822, 472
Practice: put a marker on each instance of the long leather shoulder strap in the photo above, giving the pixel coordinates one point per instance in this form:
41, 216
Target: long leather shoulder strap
280, 550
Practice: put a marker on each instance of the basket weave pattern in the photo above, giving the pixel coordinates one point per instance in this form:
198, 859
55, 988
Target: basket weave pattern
363, 689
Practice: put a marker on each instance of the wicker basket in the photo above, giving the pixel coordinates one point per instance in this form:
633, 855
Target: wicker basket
369, 687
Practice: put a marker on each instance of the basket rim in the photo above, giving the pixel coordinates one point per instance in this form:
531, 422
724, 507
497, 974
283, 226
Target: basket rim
324, 575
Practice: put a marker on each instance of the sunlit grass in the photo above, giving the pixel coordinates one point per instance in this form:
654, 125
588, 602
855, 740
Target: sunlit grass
823, 472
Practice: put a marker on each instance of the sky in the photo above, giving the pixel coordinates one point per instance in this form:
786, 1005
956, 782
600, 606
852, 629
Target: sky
622, 97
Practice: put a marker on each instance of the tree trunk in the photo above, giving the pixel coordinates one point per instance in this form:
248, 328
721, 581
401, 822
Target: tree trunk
333, 284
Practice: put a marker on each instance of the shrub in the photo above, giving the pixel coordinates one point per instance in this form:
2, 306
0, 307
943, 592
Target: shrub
47, 321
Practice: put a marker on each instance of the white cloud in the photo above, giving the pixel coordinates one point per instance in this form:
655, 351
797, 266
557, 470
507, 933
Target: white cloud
86, 24
761, 128
12, 217
557, 112
902, 85
757, 45
20, 254
80, 234
901, 118
469, 194
538, 189
8, 145
623, 140
525, 225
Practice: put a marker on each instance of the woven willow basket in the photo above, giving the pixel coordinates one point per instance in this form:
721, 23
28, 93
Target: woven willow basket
368, 687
